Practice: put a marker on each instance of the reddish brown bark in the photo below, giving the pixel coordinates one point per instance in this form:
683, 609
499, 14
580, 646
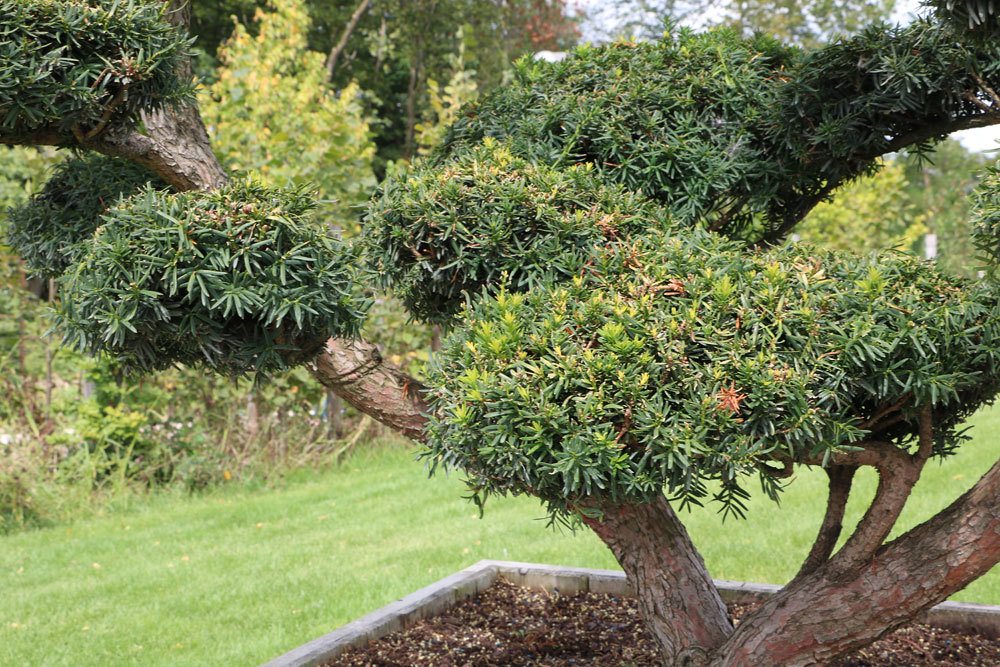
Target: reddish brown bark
355, 370
676, 595
898, 473
840, 480
826, 615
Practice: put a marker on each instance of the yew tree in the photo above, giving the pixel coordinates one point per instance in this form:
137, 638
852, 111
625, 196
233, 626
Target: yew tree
604, 239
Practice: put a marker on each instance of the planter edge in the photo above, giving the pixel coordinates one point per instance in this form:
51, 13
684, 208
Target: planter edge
435, 598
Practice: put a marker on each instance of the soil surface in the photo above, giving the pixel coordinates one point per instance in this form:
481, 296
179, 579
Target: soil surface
509, 625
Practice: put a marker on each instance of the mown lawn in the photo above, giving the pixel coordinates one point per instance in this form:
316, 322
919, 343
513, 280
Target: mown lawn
241, 575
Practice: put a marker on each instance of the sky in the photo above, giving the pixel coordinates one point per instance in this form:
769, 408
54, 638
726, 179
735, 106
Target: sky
986, 139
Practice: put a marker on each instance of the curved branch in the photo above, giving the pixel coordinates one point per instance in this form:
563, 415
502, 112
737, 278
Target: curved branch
897, 477
938, 129
356, 371
894, 486
840, 479
825, 616
331, 60
873, 453
884, 411
896, 480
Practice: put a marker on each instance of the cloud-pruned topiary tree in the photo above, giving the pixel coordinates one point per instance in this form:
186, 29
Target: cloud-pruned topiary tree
604, 239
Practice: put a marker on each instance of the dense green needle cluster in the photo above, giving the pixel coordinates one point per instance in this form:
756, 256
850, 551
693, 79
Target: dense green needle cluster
688, 347
978, 19
75, 68
440, 235
862, 97
683, 120
47, 231
678, 359
739, 136
241, 280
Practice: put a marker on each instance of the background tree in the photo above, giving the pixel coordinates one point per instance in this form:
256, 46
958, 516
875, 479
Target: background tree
804, 23
941, 187
604, 237
869, 214
269, 93
395, 46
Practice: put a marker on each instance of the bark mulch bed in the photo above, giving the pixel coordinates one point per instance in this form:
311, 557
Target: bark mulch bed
510, 625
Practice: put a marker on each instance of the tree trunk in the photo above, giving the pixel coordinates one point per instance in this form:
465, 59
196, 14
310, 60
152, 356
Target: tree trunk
676, 595
829, 614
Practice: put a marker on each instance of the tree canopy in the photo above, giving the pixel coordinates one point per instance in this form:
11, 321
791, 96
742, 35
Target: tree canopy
605, 240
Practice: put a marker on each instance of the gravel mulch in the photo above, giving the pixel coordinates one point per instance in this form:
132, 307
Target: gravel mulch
507, 625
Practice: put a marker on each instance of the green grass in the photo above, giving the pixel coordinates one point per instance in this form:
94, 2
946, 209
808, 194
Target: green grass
241, 575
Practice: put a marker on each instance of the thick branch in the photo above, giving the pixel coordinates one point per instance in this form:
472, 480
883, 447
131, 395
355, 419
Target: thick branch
873, 422
840, 481
331, 60
939, 129
677, 597
873, 453
894, 487
356, 372
897, 476
174, 146
826, 616
803, 207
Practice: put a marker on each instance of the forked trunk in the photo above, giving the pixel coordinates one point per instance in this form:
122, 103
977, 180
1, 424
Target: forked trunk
830, 613
822, 614
676, 595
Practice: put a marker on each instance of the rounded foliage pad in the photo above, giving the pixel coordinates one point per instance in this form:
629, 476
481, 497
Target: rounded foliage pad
438, 235
679, 360
241, 280
47, 230
742, 136
76, 67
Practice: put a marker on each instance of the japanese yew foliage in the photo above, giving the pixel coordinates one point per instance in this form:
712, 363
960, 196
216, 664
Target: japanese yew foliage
49, 229
604, 239
240, 279
77, 67
676, 359
440, 235
977, 19
612, 222
742, 136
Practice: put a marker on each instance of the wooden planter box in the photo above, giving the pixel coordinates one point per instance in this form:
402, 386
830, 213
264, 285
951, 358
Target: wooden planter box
433, 599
